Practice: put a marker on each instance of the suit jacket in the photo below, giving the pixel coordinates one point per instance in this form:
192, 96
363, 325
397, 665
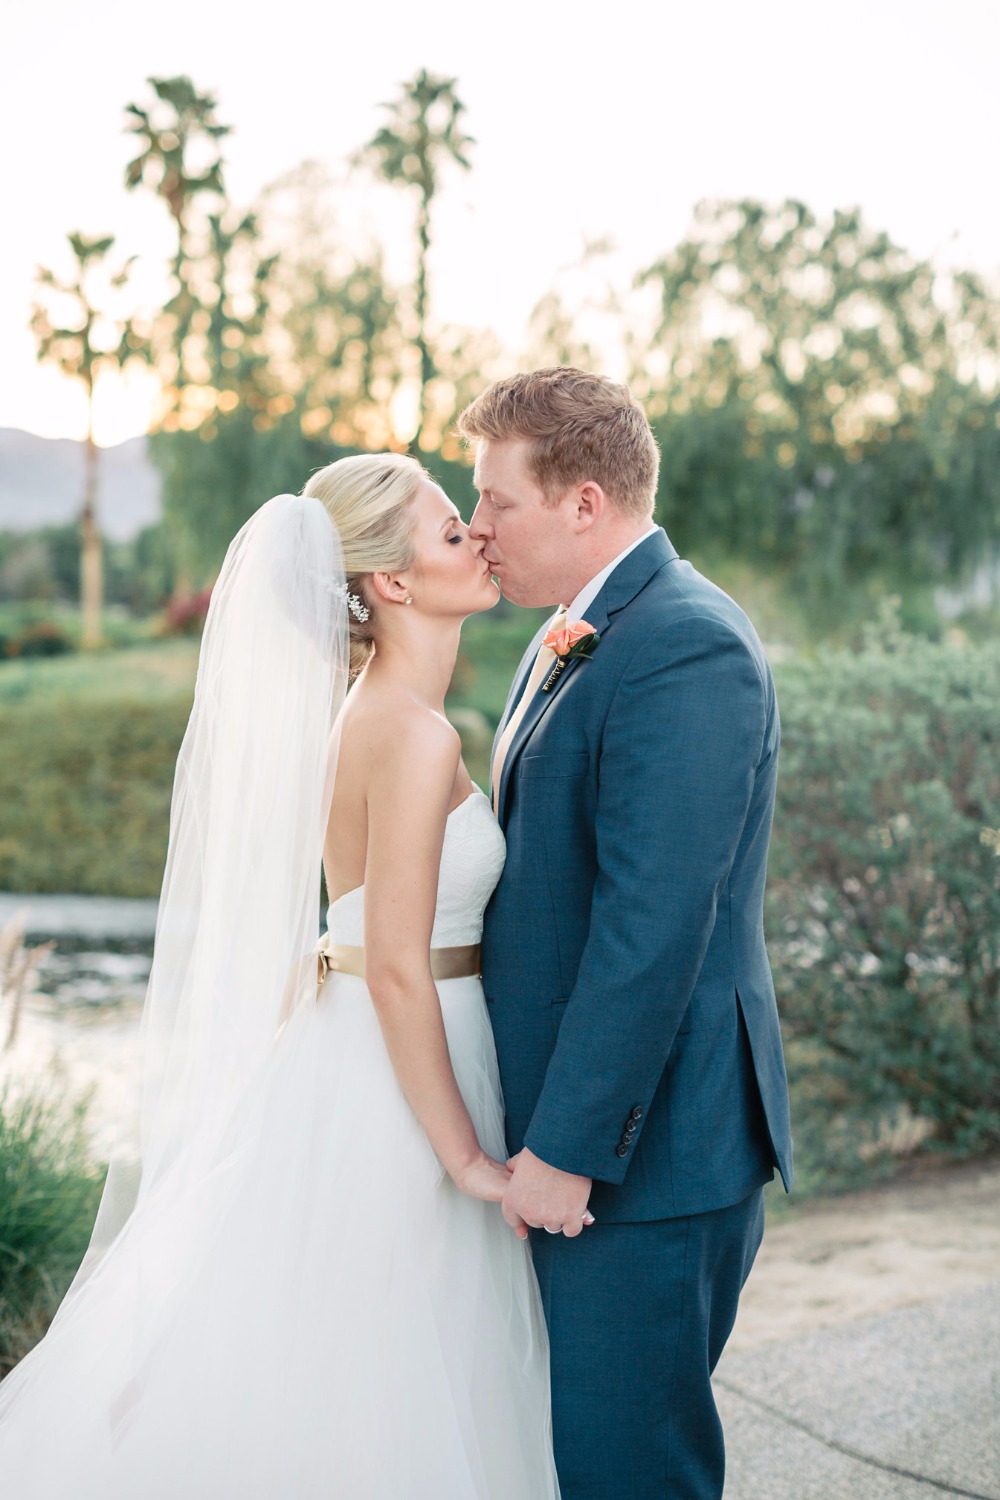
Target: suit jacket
624, 962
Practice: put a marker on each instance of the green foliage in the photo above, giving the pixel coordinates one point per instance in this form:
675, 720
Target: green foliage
334, 334
85, 794
492, 645
101, 734
80, 348
39, 565
42, 639
454, 475
165, 132
142, 673
885, 898
43, 566
424, 132
49, 1192
832, 422
826, 402
491, 648
24, 625
823, 399
213, 480
173, 135
139, 574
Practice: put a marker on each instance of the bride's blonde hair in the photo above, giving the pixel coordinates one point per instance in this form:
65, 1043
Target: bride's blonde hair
368, 498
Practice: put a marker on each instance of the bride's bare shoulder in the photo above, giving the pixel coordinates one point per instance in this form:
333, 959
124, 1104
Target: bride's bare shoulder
394, 735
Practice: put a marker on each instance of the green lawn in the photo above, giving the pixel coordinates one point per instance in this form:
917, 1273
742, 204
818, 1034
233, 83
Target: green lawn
89, 744
491, 648
141, 674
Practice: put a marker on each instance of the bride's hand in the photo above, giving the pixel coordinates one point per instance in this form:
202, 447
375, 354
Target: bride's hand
483, 1178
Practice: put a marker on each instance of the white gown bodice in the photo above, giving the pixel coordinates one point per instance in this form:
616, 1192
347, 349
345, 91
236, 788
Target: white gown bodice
472, 860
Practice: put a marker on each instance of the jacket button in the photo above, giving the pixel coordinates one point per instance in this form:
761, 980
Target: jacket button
621, 1150
631, 1128
637, 1112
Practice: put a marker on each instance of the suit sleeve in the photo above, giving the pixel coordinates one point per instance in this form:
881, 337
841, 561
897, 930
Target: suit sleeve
681, 744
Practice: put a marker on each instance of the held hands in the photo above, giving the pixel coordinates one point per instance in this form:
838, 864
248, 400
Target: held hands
482, 1177
545, 1198
530, 1192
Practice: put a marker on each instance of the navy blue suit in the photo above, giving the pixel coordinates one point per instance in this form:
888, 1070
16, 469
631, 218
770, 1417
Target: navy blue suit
634, 1015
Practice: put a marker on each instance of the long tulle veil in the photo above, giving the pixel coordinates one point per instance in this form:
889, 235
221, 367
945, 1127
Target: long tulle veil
237, 918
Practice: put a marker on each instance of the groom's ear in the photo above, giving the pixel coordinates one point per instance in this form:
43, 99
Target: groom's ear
590, 503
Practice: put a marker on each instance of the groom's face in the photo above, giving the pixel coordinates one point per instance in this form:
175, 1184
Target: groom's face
526, 540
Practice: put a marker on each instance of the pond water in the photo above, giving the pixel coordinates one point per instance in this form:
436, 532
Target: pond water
102, 947
77, 1033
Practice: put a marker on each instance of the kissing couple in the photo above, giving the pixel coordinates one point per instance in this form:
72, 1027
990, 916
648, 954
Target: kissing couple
458, 1203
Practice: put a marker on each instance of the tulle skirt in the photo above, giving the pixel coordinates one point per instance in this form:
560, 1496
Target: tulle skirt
330, 1319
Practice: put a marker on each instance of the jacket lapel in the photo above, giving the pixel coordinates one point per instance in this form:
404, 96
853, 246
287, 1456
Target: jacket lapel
628, 579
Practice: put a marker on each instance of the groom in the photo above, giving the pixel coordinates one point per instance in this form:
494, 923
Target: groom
623, 951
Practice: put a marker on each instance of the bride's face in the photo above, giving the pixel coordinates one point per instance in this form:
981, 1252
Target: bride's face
449, 575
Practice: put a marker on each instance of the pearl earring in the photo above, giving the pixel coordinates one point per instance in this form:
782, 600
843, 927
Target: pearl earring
408, 599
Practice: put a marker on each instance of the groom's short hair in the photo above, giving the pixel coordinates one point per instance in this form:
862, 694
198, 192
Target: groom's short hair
579, 426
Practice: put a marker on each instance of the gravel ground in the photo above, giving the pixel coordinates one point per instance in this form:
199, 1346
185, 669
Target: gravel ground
865, 1363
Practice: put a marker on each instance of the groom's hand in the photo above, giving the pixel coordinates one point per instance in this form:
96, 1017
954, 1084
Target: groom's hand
544, 1198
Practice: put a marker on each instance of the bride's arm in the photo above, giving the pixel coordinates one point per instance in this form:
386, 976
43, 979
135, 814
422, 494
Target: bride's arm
410, 790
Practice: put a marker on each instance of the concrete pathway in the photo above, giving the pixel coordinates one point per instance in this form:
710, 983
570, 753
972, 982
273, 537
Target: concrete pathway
900, 1403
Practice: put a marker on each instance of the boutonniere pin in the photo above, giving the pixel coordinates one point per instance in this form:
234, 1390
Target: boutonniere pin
575, 639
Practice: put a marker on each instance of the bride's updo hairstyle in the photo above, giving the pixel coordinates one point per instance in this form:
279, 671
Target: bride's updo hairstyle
368, 498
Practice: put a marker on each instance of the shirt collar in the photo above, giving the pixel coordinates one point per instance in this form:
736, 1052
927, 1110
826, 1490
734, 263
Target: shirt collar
590, 591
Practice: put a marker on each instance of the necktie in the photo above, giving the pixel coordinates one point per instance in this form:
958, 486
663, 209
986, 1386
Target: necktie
543, 664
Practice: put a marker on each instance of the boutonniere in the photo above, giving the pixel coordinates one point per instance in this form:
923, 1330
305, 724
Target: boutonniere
575, 639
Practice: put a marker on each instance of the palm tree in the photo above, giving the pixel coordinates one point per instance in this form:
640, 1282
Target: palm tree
81, 349
179, 159
422, 134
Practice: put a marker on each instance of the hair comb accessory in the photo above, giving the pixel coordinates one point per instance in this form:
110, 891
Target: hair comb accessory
354, 602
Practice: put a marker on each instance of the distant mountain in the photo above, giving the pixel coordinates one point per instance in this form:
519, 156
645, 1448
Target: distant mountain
41, 484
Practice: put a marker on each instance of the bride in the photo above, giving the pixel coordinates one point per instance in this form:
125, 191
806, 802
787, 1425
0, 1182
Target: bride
300, 1284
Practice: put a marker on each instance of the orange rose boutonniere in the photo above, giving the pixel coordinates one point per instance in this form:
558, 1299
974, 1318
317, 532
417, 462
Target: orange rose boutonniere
577, 638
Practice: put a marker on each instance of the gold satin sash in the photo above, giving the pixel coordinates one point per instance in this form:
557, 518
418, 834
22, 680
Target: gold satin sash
446, 963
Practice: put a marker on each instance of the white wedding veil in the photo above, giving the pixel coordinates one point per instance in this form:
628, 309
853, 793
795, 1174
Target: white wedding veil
237, 922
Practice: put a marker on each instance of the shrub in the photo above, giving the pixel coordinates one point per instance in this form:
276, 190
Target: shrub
885, 902
85, 794
49, 1192
186, 614
42, 638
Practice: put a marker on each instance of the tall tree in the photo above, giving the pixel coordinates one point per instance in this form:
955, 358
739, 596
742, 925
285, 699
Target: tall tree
333, 340
238, 272
799, 373
179, 158
86, 343
422, 135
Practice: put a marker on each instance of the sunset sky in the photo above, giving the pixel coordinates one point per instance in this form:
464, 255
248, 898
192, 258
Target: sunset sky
590, 121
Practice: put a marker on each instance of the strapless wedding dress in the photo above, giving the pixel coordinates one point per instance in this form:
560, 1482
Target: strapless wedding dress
339, 1322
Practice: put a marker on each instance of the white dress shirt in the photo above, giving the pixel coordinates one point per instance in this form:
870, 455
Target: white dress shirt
585, 598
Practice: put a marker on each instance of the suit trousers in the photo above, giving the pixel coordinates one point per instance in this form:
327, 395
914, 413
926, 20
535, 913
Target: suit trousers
638, 1315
